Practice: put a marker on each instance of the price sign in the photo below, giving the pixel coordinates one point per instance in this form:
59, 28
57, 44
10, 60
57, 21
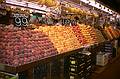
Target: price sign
73, 22
66, 21
21, 20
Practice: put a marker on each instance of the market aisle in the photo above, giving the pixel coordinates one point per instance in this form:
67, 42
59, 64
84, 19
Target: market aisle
112, 71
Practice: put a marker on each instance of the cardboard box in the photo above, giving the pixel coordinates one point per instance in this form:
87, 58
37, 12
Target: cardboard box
102, 59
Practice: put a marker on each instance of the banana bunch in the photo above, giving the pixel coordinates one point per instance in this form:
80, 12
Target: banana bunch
41, 2
48, 3
74, 10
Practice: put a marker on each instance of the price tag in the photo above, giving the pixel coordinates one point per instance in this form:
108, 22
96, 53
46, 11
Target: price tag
21, 20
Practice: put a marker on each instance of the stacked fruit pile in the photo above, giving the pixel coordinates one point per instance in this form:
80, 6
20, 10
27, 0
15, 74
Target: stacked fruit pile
111, 32
86, 31
62, 37
96, 35
87, 34
79, 35
92, 33
25, 46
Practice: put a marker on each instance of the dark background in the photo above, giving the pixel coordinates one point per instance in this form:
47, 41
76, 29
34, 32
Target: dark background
112, 4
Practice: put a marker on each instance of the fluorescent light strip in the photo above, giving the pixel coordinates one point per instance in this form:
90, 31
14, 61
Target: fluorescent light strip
96, 4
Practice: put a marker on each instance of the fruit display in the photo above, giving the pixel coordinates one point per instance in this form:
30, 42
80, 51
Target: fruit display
111, 32
24, 46
92, 33
79, 35
86, 32
96, 35
107, 34
62, 37
20, 47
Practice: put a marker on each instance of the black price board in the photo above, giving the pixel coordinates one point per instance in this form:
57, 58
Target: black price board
68, 22
73, 22
20, 20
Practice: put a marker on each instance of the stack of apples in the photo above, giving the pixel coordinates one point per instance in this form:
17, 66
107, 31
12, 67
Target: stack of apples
79, 35
24, 46
62, 37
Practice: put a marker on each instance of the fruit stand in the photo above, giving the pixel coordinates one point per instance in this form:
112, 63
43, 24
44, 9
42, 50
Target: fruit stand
45, 38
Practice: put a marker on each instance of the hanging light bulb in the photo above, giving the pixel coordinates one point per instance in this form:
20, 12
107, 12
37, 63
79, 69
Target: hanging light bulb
31, 10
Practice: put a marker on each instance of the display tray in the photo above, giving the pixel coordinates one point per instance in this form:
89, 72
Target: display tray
25, 67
